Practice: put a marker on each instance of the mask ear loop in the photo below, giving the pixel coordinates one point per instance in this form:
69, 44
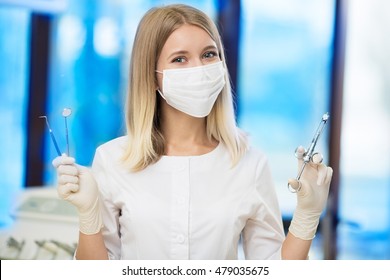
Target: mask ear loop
161, 94
159, 91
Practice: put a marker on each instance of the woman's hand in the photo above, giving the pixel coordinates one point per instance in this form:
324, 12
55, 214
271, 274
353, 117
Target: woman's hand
312, 196
77, 185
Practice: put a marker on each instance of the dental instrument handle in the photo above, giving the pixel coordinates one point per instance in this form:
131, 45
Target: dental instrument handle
66, 113
55, 142
67, 137
51, 135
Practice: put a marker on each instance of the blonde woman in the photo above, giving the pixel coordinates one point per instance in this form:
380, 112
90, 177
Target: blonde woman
184, 183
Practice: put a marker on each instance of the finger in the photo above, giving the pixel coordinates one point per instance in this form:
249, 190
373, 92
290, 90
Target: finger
329, 174
317, 158
66, 179
67, 170
82, 169
300, 152
322, 170
64, 191
62, 160
294, 184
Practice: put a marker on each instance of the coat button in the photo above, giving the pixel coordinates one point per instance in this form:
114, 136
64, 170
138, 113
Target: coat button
180, 238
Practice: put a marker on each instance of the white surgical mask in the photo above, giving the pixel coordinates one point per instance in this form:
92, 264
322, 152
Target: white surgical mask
193, 90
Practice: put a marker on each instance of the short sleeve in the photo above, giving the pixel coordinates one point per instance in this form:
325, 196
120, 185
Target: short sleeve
110, 213
263, 233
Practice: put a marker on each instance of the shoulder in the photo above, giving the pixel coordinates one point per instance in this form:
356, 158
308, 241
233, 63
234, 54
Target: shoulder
254, 154
113, 149
256, 162
118, 143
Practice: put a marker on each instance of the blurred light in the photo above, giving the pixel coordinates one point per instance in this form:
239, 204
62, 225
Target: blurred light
106, 37
42, 6
71, 37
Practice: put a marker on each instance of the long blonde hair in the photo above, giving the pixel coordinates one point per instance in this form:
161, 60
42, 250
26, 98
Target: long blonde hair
145, 140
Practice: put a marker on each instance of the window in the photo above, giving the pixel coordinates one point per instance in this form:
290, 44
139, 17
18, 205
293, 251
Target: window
364, 229
284, 84
14, 56
284, 77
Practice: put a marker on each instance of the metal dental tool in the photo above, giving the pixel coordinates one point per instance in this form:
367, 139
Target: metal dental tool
52, 135
66, 113
309, 154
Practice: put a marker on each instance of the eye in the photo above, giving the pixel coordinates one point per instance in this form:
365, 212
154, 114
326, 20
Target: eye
179, 59
210, 54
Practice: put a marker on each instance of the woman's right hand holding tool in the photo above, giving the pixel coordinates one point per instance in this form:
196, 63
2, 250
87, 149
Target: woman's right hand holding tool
77, 185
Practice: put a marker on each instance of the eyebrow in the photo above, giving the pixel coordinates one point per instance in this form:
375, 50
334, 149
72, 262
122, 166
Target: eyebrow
183, 52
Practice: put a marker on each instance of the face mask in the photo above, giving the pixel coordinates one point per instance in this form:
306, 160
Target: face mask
193, 90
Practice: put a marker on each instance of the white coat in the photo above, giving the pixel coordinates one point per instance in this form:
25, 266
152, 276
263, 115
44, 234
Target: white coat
188, 207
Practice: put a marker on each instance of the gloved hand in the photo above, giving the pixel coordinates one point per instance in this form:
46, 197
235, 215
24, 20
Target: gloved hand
77, 185
311, 197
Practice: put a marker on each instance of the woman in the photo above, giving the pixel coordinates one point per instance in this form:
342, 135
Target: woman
184, 183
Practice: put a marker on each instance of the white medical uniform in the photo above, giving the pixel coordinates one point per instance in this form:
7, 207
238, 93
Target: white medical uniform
188, 207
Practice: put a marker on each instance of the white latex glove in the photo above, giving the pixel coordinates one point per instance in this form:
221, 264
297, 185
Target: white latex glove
77, 185
311, 197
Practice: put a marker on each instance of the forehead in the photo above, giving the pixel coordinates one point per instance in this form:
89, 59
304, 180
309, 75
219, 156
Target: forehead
188, 37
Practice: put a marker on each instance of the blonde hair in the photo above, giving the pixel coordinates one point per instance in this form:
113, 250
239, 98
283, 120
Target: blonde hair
145, 140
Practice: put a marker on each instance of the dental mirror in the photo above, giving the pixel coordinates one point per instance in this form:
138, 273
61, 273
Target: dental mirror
66, 113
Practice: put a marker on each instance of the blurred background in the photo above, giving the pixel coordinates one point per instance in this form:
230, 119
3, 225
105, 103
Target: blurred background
290, 61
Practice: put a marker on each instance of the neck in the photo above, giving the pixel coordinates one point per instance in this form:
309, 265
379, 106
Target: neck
184, 134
